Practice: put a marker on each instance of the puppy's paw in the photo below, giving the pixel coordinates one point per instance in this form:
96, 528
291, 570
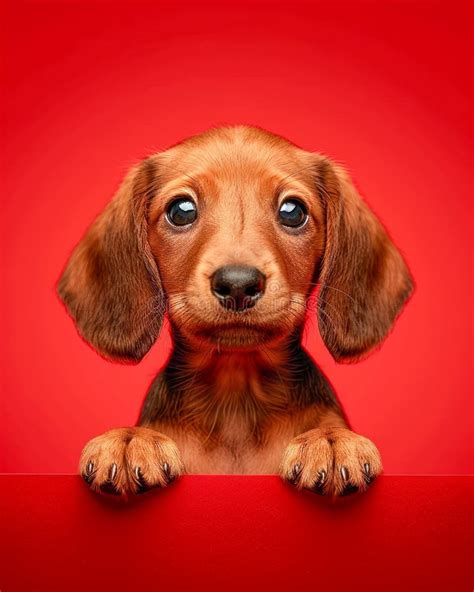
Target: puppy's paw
331, 462
130, 460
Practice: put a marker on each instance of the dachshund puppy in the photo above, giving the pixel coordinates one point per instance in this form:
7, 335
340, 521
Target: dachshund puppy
229, 233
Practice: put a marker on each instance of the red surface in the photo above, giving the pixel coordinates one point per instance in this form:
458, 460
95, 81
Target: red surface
89, 88
236, 533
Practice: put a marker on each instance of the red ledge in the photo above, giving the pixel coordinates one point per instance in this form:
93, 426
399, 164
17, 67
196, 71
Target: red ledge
236, 533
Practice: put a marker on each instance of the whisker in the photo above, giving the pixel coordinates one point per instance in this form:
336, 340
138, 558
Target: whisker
330, 287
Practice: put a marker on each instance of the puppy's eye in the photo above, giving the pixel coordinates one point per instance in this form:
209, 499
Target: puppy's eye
292, 213
182, 211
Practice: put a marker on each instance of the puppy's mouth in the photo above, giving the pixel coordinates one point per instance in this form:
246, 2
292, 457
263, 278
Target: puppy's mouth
230, 329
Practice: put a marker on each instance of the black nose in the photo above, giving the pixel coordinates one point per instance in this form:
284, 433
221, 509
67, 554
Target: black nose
238, 287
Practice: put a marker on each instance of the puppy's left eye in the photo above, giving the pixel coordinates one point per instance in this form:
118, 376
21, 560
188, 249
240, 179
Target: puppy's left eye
182, 211
292, 213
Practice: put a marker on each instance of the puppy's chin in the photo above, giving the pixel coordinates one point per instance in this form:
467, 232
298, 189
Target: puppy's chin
242, 338
235, 337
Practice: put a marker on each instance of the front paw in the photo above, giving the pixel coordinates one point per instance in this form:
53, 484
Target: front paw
331, 462
130, 460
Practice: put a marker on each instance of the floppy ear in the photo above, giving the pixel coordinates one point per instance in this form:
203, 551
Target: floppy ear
111, 285
364, 281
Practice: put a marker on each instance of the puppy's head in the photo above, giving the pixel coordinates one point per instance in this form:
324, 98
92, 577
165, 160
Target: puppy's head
230, 231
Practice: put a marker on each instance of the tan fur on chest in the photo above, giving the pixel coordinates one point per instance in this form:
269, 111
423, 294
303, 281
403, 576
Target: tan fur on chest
233, 399
236, 452
234, 412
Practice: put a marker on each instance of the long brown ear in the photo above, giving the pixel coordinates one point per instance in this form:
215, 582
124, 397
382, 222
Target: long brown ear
111, 285
364, 281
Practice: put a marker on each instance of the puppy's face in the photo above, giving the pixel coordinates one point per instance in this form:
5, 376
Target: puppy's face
229, 231
236, 228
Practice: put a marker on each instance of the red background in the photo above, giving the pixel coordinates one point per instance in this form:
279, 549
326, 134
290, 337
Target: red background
90, 88
214, 533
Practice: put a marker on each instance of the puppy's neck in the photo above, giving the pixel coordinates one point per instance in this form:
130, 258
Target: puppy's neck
215, 391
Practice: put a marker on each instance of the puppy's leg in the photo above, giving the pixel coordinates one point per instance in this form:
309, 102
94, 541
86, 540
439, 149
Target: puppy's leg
331, 459
130, 460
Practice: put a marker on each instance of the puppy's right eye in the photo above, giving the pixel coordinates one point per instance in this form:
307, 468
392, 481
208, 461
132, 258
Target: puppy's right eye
181, 211
292, 213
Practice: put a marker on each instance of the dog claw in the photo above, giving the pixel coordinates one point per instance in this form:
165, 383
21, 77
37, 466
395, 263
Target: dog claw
167, 471
368, 477
142, 485
88, 476
113, 472
296, 472
109, 485
345, 473
319, 485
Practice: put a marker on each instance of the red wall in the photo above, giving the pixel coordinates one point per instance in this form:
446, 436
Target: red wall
214, 533
90, 88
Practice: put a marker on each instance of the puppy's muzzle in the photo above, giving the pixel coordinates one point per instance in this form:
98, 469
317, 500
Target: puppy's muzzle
237, 287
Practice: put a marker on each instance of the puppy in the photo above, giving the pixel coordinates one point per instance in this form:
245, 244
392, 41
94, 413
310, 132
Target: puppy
229, 232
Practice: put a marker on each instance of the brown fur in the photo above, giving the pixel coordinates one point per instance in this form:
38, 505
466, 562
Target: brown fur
239, 394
